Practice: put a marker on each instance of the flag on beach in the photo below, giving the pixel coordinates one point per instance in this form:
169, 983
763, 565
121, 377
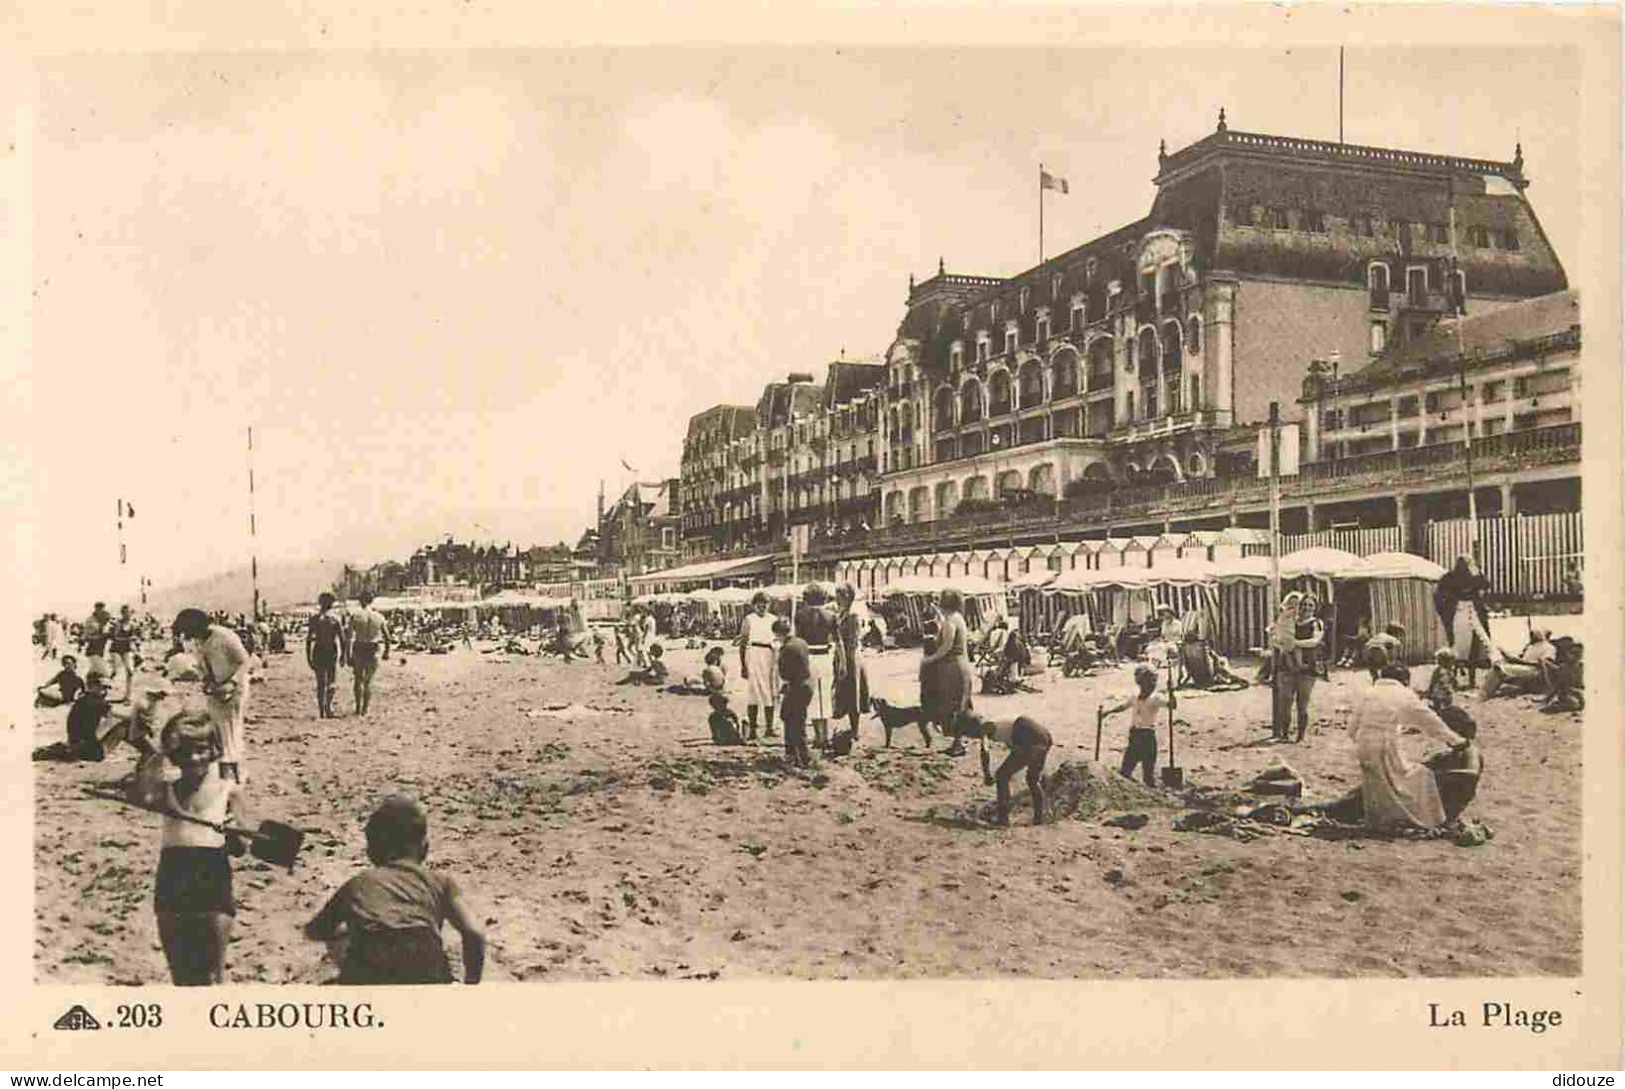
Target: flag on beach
627, 467
1046, 180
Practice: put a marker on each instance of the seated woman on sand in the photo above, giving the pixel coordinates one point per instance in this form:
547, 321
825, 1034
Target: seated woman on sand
1395, 792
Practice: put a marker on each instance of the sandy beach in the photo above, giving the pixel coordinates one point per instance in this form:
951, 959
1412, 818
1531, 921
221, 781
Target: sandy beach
597, 844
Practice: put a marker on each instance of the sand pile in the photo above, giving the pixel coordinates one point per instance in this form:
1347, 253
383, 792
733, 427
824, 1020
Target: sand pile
905, 771
1083, 789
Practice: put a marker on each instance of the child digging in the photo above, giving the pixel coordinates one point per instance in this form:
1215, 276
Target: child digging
392, 913
1143, 707
193, 899
1029, 744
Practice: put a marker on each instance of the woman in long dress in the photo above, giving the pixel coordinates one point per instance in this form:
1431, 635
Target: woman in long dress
945, 673
851, 679
1459, 600
1395, 792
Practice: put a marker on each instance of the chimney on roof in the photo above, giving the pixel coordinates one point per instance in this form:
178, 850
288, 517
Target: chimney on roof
1222, 126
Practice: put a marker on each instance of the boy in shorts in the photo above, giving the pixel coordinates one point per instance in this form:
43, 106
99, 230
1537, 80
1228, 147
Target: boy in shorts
1143, 707
1029, 743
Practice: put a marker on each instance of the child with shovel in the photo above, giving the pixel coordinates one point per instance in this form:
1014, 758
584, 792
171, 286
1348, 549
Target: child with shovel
193, 900
1144, 707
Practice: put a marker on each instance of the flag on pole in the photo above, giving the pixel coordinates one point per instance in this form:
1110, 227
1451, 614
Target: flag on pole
129, 509
627, 467
1046, 180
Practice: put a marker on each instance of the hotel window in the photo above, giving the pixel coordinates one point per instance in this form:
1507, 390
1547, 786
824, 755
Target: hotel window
1128, 405
1438, 232
1280, 220
1314, 221
1479, 236
1077, 317
1042, 329
1010, 342
1416, 284
1363, 226
956, 356
1242, 215
1193, 335
1055, 286
965, 321
1024, 294
1507, 240
1379, 337
983, 348
993, 309
1089, 269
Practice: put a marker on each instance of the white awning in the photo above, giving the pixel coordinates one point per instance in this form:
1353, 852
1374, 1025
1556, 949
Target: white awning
713, 569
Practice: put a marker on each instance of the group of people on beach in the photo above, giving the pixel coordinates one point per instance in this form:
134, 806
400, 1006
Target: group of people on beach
191, 769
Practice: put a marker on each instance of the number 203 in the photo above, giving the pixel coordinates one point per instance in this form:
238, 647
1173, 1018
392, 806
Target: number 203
150, 1015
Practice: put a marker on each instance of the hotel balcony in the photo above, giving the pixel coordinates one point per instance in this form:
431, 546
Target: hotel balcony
1435, 467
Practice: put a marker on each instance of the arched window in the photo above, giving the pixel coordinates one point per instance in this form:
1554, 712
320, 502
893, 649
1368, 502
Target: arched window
1063, 380
1146, 356
999, 393
1173, 351
1102, 372
946, 498
944, 409
1193, 335
974, 488
970, 402
1009, 481
1376, 278
1041, 479
919, 506
1032, 383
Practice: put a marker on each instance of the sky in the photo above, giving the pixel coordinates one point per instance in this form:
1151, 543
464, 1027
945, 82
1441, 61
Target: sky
452, 292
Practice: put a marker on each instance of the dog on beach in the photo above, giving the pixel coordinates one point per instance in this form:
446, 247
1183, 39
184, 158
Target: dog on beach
896, 718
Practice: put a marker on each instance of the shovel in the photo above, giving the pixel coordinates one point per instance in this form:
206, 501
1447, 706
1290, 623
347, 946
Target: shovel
1100, 722
273, 842
1173, 776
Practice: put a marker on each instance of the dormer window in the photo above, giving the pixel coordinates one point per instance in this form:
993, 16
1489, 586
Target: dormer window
1010, 339
965, 321
1024, 294
1055, 286
993, 310
1079, 315
1042, 327
1090, 267
956, 355
984, 347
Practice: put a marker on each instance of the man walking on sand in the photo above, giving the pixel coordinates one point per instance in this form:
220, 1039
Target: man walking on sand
368, 628
325, 651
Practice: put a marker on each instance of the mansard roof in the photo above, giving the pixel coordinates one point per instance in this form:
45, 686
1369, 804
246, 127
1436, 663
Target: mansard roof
844, 381
782, 399
725, 421
1536, 325
1202, 189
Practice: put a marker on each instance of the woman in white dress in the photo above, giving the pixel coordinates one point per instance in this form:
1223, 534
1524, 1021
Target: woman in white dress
1395, 792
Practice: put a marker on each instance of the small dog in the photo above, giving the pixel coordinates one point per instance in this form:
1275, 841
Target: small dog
895, 718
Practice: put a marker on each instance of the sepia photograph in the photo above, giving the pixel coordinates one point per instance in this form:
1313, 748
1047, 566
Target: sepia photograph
890, 512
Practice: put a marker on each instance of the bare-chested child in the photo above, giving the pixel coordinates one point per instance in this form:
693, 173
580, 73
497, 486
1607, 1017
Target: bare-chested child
1029, 743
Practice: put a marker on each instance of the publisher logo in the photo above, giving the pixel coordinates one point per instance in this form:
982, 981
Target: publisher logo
75, 1019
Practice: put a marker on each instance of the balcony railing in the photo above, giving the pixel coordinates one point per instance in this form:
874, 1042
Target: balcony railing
1387, 471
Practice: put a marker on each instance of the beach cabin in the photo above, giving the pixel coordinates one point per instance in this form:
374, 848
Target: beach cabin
1199, 544
1166, 548
1137, 551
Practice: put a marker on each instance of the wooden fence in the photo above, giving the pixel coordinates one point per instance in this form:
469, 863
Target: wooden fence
1522, 556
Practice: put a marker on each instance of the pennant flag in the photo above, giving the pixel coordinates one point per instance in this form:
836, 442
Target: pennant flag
1046, 180
627, 467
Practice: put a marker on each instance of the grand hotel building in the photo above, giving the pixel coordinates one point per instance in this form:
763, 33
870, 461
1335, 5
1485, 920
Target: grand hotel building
1141, 361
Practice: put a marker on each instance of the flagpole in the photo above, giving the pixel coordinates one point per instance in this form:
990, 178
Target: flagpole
253, 541
1458, 307
1340, 94
1040, 215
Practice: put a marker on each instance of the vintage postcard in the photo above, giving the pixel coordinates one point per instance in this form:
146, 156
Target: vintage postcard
916, 537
